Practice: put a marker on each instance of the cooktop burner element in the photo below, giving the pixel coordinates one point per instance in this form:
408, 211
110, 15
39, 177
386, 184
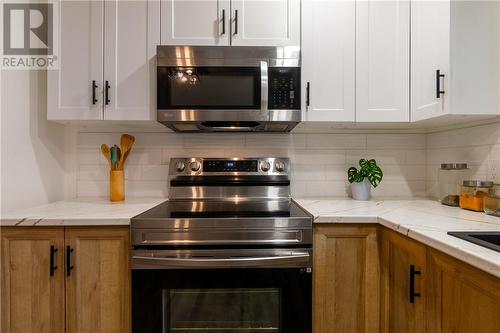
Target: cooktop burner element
224, 209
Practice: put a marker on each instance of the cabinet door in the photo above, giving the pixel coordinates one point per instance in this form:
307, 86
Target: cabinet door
265, 23
399, 255
328, 59
195, 22
382, 61
32, 298
346, 279
430, 51
475, 62
70, 89
132, 31
464, 299
98, 286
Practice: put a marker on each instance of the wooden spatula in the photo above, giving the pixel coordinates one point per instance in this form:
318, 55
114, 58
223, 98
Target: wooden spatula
126, 143
107, 153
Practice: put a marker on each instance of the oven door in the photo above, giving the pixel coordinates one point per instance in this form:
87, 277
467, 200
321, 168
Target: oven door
213, 93
211, 297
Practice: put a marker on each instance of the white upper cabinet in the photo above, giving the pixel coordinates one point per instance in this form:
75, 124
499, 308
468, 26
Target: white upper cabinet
362, 60
130, 59
201, 22
265, 22
475, 57
461, 40
106, 61
230, 22
74, 91
328, 60
382, 61
430, 53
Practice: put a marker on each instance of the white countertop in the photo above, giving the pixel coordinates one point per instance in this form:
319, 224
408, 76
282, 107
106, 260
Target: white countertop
80, 212
423, 220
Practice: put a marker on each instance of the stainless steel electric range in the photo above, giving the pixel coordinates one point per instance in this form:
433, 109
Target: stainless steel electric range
230, 251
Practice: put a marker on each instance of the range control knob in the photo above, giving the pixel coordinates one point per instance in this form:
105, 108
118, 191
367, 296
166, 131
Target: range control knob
195, 166
180, 166
265, 166
280, 166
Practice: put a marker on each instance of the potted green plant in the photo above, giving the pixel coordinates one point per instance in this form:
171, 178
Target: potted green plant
369, 174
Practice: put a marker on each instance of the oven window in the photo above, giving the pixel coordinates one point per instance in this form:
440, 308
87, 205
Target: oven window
209, 88
222, 310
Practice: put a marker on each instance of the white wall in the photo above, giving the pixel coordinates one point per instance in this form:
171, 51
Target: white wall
319, 161
32, 149
479, 146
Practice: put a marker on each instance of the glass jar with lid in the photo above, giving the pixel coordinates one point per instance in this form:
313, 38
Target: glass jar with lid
473, 194
492, 201
450, 179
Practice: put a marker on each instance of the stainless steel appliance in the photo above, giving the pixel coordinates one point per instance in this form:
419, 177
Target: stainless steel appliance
230, 251
228, 88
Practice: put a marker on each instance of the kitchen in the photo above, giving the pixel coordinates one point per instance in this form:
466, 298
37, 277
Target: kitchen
237, 213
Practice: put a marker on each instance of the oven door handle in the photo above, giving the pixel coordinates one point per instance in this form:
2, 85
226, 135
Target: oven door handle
264, 84
293, 260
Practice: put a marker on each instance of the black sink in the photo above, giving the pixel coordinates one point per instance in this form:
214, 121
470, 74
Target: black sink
489, 239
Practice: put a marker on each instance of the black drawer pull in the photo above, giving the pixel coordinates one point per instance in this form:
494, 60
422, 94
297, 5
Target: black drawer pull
94, 87
413, 294
52, 265
107, 100
69, 250
438, 84
223, 21
236, 22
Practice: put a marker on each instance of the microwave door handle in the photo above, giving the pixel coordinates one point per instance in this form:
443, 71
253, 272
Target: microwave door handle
264, 84
293, 260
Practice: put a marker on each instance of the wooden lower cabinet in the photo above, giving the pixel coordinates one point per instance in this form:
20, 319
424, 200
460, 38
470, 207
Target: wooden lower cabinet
91, 297
32, 300
98, 286
463, 298
403, 272
345, 279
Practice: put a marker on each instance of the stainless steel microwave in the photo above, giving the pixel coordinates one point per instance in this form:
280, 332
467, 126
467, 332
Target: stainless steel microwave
228, 88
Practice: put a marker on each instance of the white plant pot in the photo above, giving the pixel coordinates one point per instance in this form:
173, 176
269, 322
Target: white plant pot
362, 190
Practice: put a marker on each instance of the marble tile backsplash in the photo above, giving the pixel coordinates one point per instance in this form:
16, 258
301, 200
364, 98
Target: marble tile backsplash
479, 146
319, 161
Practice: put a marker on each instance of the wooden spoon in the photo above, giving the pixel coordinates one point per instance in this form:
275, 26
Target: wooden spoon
107, 153
126, 143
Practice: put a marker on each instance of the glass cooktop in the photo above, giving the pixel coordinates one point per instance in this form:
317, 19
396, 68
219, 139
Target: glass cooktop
224, 209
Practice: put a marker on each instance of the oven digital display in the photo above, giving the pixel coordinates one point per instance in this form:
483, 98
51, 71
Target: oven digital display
230, 166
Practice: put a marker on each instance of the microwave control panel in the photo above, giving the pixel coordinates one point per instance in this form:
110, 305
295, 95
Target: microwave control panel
284, 88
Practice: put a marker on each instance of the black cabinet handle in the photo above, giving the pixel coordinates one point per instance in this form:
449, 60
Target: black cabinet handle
52, 266
308, 88
94, 87
438, 84
68, 260
236, 22
223, 21
106, 93
413, 294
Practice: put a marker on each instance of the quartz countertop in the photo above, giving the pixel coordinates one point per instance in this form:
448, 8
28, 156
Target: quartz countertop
80, 212
426, 221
